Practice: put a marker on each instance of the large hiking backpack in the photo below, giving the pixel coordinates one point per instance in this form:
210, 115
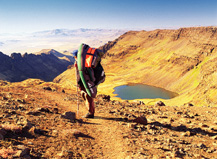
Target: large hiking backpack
90, 70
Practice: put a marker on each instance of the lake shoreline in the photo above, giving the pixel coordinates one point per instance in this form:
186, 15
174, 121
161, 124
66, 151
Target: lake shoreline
134, 91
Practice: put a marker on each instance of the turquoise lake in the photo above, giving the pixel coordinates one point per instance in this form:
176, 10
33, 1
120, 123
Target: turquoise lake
141, 91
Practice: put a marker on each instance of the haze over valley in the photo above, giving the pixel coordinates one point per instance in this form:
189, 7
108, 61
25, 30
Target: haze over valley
58, 39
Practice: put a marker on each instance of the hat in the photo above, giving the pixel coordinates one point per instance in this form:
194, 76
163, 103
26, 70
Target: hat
75, 52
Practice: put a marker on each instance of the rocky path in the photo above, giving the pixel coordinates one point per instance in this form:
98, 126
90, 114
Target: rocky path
105, 131
108, 139
39, 122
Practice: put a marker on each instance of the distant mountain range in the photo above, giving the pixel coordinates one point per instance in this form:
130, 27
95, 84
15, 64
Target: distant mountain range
49, 52
58, 39
46, 65
82, 32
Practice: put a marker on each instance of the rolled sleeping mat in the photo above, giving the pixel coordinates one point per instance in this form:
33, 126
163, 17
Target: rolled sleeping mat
86, 73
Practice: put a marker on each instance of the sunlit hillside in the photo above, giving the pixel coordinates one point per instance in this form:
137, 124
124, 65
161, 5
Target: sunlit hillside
182, 61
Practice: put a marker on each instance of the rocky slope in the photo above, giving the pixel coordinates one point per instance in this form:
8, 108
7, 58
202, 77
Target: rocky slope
182, 61
37, 120
19, 67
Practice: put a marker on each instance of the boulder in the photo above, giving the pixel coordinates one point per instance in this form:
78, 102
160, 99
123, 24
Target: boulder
106, 98
25, 123
1, 137
7, 152
159, 103
69, 115
22, 151
141, 120
11, 127
47, 88
188, 104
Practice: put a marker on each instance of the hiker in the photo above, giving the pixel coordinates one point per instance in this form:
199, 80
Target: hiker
98, 77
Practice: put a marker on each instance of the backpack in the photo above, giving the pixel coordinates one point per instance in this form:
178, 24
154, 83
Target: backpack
90, 69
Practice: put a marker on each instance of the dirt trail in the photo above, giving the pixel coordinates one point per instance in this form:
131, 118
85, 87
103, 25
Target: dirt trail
46, 132
108, 138
106, 131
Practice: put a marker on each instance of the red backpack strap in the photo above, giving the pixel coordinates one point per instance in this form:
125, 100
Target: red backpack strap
89, 57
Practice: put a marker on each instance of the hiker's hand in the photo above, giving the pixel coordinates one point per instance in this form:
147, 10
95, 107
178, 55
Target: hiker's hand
75, 64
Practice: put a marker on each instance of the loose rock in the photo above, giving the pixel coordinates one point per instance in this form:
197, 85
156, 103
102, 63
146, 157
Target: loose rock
69, 115
159, 103
47, 88
141, 120
22, 151
22, 121
1, 137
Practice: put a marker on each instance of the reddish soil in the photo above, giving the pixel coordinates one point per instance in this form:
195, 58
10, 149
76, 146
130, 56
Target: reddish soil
34, 124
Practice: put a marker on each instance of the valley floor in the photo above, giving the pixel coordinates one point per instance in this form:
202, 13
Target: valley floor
38, 121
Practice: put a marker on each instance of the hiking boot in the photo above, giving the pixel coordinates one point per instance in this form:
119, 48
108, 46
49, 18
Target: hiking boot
88, 115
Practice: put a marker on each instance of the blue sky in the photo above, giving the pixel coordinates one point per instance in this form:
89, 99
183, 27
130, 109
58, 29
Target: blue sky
17, 16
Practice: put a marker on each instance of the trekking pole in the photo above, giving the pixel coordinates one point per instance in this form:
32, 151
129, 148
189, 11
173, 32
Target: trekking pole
77, 90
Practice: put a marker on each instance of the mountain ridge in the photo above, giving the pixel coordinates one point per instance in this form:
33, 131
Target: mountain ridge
65, 56
19, 67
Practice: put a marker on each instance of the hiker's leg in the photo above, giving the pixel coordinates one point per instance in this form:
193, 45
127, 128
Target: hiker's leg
90, 104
